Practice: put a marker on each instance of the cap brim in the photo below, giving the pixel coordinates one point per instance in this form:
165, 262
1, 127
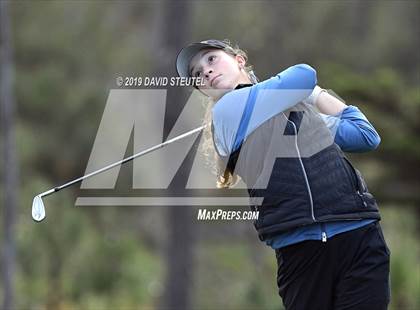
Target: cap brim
186, 54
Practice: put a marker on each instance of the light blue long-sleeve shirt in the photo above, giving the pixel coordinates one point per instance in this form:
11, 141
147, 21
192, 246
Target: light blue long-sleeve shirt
275, 95
351, 130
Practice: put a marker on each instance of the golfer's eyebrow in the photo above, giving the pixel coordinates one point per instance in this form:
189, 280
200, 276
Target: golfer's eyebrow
206, 52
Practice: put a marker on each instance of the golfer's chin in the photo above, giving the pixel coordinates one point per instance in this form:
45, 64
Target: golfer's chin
221, 88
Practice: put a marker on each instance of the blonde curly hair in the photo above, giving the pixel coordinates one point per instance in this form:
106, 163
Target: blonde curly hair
225, 177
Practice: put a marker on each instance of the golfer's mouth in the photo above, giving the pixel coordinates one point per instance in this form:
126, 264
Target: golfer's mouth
215, 79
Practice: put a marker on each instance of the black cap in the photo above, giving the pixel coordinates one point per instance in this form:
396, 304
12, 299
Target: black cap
187, 53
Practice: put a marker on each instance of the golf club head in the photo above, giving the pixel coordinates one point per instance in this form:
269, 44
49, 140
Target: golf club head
38, 209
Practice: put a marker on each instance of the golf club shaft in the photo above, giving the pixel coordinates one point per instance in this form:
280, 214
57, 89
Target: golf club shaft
123, 161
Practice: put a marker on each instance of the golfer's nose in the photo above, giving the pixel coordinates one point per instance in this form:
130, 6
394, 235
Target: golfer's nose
207, 73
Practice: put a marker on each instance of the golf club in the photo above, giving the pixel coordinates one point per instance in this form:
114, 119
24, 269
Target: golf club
38, 209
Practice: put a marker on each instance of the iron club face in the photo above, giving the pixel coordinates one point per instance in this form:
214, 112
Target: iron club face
38, 209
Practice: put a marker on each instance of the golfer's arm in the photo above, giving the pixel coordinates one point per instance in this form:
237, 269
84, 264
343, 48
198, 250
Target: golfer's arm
328, 104
352, 131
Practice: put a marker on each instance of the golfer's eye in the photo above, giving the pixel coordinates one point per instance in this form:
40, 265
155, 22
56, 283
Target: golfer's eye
197, 73
211, 58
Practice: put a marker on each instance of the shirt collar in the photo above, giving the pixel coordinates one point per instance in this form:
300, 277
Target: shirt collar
243, 85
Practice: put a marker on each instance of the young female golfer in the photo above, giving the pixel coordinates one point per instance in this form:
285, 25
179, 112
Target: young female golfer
316, 211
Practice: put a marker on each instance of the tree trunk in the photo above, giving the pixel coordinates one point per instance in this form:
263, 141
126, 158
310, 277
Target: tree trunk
9, 154
174, 32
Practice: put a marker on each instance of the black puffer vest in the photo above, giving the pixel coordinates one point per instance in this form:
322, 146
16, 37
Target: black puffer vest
292, 163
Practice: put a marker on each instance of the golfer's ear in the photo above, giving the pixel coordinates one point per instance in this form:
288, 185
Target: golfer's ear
241, 60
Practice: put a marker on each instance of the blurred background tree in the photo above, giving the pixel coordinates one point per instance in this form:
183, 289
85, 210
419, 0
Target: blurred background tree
67, 55
9, 173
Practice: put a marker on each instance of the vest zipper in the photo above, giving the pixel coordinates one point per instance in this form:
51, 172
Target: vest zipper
308, 187
323, 233
357, 183
362, 198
